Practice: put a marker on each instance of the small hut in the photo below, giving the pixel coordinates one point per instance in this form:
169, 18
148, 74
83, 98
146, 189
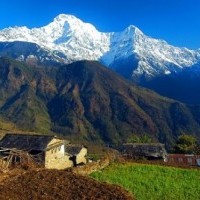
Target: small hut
144, 150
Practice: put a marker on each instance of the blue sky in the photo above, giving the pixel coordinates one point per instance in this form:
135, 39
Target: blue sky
176, 21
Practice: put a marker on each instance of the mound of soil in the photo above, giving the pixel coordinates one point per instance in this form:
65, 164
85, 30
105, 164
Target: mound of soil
55, 184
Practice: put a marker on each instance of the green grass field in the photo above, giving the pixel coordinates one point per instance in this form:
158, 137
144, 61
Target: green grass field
151, 182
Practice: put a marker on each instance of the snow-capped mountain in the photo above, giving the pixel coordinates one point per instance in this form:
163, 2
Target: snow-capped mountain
66, 34
70, 39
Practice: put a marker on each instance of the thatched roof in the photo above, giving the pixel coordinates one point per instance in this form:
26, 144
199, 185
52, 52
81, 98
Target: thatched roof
73, 149
26, 142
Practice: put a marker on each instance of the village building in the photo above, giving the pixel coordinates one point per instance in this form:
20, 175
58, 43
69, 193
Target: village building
49, 150
144, 150
183, 159
77, 153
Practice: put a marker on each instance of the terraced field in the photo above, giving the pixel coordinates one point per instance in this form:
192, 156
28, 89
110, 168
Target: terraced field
153, 182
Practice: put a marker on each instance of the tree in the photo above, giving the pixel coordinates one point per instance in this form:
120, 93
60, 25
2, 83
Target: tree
186, 144
144, 138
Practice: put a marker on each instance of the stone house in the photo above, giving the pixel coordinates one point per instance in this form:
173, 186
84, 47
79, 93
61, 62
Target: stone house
49, 149
144, 150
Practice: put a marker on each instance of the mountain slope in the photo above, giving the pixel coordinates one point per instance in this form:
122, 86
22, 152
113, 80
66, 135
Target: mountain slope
31, 53
18, 99
87, 101
183, 86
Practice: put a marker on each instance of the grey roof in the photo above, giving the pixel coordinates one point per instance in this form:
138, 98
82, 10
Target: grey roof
72, 149
145, 149
26, 142
144, 144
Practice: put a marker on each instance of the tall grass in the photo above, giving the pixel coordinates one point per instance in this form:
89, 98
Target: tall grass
153, 182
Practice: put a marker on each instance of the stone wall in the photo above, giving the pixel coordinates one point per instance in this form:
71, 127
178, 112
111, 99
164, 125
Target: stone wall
80, 158
56, 159
91, 167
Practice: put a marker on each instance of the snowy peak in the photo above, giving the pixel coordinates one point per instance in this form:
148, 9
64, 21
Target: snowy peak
68, 23
133, 31
72, 21
69, 18
76, 39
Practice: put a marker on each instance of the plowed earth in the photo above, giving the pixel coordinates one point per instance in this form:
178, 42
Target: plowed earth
55, 184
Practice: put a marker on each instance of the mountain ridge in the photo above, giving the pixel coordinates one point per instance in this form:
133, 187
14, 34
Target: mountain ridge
78, 40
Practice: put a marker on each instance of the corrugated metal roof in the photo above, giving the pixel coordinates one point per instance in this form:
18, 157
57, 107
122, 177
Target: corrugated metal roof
184, 159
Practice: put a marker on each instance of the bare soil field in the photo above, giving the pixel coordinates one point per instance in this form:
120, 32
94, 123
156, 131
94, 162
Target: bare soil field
55, 184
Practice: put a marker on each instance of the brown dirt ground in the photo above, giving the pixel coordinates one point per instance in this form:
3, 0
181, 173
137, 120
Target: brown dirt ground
55, 184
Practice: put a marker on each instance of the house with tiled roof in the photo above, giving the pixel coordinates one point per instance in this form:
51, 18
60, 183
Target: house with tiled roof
50, 149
